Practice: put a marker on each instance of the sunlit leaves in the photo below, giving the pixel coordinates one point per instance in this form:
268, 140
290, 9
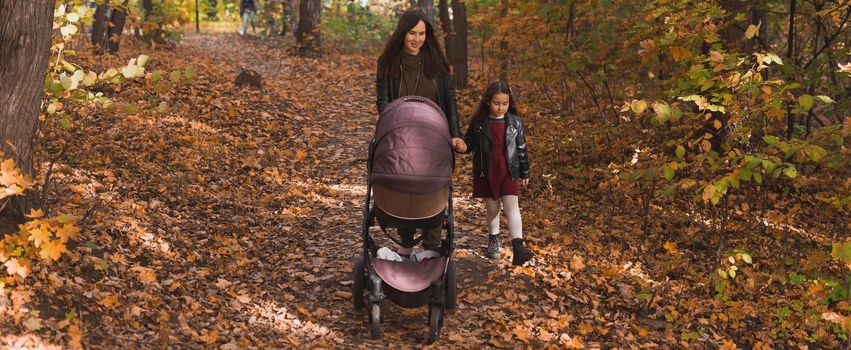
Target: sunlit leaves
806, 101
680, 152
790, 171
69, 20
72, 17
189, 72
703, 103
796, 279
68, 29
39, 235
664, 113
15, 266
89, 79
12, 181
842, 251
40, 238
52, 250
752, 30
135, 68
679, 53
110, 301
671, 247
638, 106
146, 275
844, 68
767, 58
668, 172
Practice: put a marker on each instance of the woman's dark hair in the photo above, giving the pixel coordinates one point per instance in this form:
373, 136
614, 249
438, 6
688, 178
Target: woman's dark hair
434, 61
494, 88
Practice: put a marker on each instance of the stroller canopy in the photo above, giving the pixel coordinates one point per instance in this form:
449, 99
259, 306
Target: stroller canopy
412, 160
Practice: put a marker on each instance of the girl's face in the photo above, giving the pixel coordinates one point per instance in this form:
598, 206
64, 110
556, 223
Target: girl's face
415, 38
499, 104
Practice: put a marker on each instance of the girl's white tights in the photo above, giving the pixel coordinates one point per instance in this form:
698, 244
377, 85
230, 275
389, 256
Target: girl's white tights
511, 206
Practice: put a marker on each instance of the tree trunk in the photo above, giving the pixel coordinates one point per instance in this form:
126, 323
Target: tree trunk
459, 59
146, 6
307, 36
25, 35
455, 39
428, 7
790, 52
448, 31
116, 27
107, 31
100, 26
289, 18
503, 44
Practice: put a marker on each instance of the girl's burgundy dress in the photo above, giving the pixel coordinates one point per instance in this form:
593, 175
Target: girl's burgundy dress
497, 181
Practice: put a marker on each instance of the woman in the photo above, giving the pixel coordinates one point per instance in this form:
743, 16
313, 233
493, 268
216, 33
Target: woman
414, 64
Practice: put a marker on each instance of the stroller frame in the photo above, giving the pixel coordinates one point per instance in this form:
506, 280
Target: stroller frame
442, 291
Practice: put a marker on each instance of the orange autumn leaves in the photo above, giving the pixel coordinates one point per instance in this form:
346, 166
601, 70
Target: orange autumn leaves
39, 238
12, 182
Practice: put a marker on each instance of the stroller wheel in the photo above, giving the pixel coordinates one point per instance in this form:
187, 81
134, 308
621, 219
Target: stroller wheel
451, 287
375, 321
358, 277
435, 321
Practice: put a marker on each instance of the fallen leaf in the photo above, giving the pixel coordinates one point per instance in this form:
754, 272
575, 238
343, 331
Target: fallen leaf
577, 263
110, 301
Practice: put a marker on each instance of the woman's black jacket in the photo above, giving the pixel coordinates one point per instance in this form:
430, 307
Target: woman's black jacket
478, 140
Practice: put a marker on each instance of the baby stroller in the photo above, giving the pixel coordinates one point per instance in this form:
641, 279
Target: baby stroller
409, 186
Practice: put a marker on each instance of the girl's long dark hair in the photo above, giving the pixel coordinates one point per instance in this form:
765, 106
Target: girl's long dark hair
494, 88
434, 61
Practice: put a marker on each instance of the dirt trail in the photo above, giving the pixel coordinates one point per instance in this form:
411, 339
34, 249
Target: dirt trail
335, 97
232, 220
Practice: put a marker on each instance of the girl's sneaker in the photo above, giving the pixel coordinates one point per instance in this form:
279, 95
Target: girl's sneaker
521, 253
493, 247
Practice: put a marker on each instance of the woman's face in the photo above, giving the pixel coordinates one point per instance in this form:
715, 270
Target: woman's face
499, 104
415, 38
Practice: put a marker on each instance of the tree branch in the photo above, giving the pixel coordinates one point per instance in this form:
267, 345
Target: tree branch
829, 41
47, 177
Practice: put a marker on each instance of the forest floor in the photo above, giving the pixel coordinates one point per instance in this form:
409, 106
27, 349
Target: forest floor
231, 219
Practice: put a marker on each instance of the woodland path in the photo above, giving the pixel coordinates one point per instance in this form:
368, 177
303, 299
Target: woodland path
306, 260
231, 220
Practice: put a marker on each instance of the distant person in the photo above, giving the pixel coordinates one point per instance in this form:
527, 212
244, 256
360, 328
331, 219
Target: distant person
413, 63
247, 10
500, 165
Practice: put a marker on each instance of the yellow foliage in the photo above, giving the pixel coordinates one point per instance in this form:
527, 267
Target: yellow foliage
12, 181
40, 238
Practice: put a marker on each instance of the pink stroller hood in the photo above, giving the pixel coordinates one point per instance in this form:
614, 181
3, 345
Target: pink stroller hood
413, 150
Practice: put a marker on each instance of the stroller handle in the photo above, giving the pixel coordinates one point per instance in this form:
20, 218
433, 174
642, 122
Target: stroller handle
410, 98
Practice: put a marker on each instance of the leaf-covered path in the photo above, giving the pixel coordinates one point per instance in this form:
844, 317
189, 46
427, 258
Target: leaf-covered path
312, 248
231, 219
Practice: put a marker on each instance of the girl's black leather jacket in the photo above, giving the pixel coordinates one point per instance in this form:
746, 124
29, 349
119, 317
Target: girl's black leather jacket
478, 140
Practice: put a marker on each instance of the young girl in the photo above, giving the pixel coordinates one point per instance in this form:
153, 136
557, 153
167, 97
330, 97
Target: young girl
500, 165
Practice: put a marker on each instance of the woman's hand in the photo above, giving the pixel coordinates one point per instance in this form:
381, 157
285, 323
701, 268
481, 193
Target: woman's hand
458, 145
524, 182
